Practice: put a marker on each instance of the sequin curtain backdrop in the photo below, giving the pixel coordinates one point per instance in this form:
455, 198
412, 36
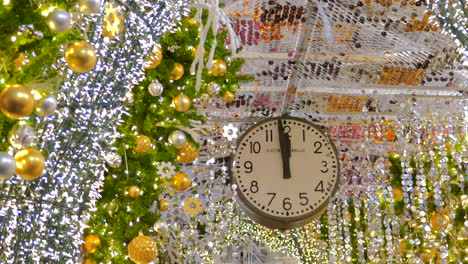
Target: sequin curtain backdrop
41, 221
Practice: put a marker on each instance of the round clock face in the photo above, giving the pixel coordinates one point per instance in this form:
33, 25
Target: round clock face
286, 169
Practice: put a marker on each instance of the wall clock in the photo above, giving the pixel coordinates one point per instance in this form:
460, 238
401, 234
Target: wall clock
286, 169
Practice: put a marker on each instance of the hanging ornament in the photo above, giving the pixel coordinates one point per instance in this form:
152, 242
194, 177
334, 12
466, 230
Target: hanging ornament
204, 100
166, 169
80, 56
16, 101
89, 261
113, 159
228, 97
214, 88
397, 193
29, 163
188, 153
134, 191
195, 51
142, 249
143, 144
181, 103
91, 243
47, 106
90, 6
113, 23
7, 165
59, 20
177, 71
219, 68
177, 139
164, 205
155, 88
181, 181
154, 58
22, 136
192, 206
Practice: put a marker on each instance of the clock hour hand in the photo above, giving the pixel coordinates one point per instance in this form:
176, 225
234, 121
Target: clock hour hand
285, 147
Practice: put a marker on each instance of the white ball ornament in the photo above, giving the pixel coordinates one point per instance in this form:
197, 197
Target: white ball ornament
214, 88
155, 88
178, 139
90, 6
7, 165
59, 20
47, 106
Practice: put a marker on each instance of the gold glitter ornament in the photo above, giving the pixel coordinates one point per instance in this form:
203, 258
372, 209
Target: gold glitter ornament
427, 255
191, 20
219, 68
181, 103
228, 97
164, 205
142, 249
113, 23
187, 154
80, 56
192, 206
177, 71
91, 243
181, 181
154, 58
16, 101
29, 163
143, 144
134, 191
397, 193
89, 261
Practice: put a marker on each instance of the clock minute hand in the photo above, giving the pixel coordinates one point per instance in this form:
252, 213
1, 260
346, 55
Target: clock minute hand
285, 147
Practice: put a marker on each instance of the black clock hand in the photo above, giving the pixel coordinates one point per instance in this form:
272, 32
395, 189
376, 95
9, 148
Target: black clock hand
285, 147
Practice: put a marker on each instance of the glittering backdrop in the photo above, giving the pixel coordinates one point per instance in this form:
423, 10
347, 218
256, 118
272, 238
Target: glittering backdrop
41, 221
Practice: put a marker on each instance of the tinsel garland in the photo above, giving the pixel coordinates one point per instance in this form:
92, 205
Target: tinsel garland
42, 221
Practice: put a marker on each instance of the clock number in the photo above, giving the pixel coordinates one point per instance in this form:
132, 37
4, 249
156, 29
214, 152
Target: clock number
269, 135
248, 166
303, 135
287, 129
272, 197
254, 187
303, 196
318, 145
286, 204
319, 187
324, 164
255, 147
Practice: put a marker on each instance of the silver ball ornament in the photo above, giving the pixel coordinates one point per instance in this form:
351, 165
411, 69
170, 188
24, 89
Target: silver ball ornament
214, 88
22, 136
7, 165
59, 20
113, 159
47, 107
178, 139
90, 6
155, 88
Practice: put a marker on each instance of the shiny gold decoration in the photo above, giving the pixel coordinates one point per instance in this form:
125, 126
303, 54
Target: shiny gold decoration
29, 163
89, 261
427, 255
91, 243
177, 71
181, 103
397, 193
195, 51
80, 56
16, 101
192, 206
143, 144
154, 58
437, 221
228, 97
142, 249
164, 205
191, 20
113, 23
181, 181
134, 191
187, 154
219, 68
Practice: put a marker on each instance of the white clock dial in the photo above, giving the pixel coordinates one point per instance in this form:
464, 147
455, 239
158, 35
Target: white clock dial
260, 170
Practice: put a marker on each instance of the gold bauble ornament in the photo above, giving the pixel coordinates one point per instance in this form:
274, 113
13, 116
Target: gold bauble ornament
29, 163
16, 101
134, 191
164, 205
228, 97
181, 103
195, 51
143, 144
91, 243
89, 261
177, 71
219, 68
154, 58
397, 193
187, 153
142, 249
181, 181
81, 56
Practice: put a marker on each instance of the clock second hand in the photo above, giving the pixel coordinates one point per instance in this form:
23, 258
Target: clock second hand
285, 148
